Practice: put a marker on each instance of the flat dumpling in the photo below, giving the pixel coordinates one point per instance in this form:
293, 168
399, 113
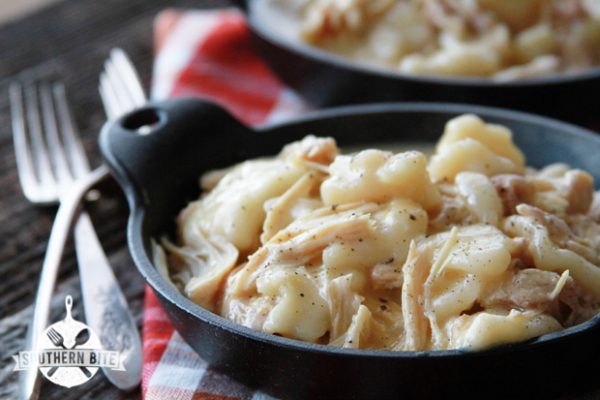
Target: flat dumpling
480, 196
486, 329
495, 137
300, 312
469, 144
380, 176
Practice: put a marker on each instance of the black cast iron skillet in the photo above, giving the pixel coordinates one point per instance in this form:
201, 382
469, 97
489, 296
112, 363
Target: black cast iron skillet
159, 173
326, 79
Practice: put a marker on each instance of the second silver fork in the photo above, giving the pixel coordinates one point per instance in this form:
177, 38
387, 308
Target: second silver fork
50, 159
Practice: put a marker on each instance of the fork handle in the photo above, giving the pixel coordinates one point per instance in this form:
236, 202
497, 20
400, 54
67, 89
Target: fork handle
70, 201
106, 310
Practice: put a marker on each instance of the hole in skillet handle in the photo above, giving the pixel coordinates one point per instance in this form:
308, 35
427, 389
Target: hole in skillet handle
241, 4
182, 138
144, 121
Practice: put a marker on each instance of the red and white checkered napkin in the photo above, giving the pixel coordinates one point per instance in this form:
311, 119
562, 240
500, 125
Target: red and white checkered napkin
206, 54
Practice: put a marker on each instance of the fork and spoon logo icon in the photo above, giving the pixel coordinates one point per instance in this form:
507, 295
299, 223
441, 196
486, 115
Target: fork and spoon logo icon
68, 353
82, 338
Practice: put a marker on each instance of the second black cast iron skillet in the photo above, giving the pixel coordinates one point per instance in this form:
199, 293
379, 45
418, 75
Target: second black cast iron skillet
159, 173
326, 79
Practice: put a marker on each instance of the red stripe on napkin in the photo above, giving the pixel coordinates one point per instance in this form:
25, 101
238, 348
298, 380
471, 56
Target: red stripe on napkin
225, 69
156, 334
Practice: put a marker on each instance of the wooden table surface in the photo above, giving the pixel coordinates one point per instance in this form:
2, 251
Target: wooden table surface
71, 38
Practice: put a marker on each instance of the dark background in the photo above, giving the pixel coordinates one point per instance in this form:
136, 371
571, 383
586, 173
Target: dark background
70, 39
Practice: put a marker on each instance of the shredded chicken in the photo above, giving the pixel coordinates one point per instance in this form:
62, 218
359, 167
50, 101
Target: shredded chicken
387, 275
283, 210
416, 271
343, 305
560, 232
529, 288
202, 265
454, 210
582, 305
358, 332
513, 190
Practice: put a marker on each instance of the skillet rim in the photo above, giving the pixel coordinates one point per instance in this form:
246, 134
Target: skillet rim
316, 54
169, 293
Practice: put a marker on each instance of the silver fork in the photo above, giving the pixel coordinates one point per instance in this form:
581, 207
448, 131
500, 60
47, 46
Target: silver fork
120, 87
53, 168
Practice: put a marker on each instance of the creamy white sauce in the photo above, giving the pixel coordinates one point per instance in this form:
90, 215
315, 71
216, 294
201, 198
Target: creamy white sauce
426, 148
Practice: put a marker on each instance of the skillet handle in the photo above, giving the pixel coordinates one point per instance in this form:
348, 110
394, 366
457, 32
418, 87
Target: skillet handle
242, 4
152, 150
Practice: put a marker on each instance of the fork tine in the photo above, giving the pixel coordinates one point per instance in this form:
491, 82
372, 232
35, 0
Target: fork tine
55, 147
118, 86
132, 80
52, 335
55, 338
109, 98
38, 147
25, 167
71, 141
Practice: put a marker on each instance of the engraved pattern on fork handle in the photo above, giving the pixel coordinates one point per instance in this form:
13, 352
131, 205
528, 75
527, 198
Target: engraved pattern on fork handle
98, 278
